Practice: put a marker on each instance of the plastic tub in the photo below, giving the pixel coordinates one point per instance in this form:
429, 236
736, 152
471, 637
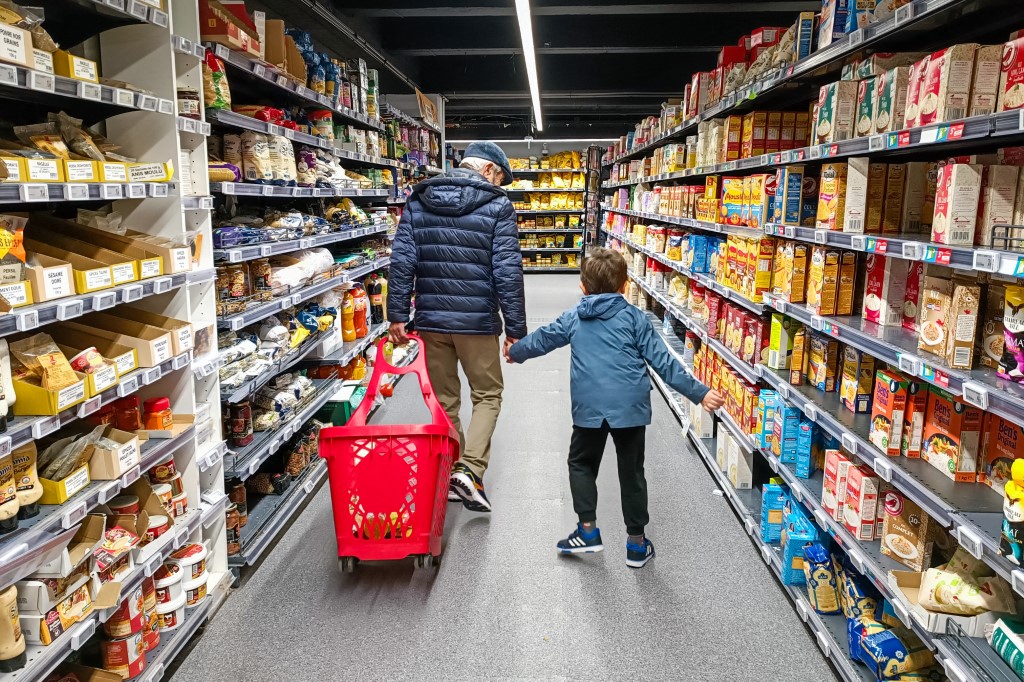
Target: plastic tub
168, 584
192, 559
170, 616
195, 590
126, 657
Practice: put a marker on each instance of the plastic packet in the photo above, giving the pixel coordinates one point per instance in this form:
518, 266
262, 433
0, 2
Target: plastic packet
232, 150
12, 247
284, 167
216, 93
256, 164
74, 456
41, 356
75, 137
43, 136
104, 219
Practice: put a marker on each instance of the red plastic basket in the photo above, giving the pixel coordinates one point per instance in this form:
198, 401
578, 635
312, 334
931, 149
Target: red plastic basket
389, 484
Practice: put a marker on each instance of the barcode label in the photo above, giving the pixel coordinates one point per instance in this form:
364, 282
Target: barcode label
954, 113
961, 236
962, 358
914, 224
854, 225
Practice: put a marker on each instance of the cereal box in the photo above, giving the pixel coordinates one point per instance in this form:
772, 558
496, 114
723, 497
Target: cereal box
823, 362
957, 192
833, 493
915, 290
892, 206
952, 434
997, 199
946, 90
906, 531
1003, 444
885, 287
915, 88
887, 409
789, 271
1011, 74
832, 196
867, 100
985, 84
860, 508
823, 280
855, 387
913, 419
832, 26
890, 108
935, 303
837, 105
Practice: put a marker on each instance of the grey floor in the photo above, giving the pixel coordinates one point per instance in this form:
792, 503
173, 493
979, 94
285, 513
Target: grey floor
503, 606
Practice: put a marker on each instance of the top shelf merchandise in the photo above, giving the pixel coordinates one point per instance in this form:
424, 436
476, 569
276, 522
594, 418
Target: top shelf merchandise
840, 239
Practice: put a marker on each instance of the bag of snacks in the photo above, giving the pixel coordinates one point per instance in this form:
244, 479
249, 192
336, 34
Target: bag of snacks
216, 94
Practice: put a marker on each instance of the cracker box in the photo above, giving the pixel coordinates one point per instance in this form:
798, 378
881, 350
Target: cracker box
823, 280
860, 508
789, 271
856, 384
958, 189
767, 403
885, 288
1003, 443
946, 89
906, 531
913, 419
837, 105
780, 345
773, 497
755, 132
732, 201
833, 493
962, 324
1011, 74
952, 435
998, 194
887, 409
832, 196
991, 340
891, 104
823, 362
985, 83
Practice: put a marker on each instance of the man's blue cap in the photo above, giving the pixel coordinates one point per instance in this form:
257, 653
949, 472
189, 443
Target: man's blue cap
488, 151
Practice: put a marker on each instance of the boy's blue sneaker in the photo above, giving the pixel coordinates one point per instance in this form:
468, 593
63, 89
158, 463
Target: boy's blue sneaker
581, 541
637, 556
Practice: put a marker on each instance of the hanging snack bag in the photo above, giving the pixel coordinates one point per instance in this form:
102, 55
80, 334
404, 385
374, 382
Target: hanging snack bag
216, 94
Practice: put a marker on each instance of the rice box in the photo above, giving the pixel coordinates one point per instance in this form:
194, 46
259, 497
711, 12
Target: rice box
833, 493
936, 300
957, 191
985, 83
915, 191
962, 325
906, 531
991, 338
790, 271
999, 192
915, 87
788, 195
867, 94
832, 196
823, 280
767, 403
860, 508
892, 205
1011, 74
887, 409
952, 434
885, 288
912, 299
913, 419
837, 105
1003, 443
946, 89
891, 103
855, 386
823, 362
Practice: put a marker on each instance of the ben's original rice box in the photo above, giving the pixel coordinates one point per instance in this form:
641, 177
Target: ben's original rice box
952, 434
913, 419
887, 409
1003, 444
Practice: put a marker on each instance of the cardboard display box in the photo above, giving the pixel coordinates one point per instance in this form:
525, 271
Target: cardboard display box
86, 539
152, 345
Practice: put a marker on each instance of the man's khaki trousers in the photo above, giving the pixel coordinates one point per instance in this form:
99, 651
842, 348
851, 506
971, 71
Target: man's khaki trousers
480, 357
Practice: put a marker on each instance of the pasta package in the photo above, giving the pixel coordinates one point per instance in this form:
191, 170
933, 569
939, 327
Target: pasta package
822, 590
893, 652
216, 94
256, 163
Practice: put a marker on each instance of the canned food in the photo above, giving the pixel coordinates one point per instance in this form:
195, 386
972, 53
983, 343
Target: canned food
127, 618
163, 472
148, 594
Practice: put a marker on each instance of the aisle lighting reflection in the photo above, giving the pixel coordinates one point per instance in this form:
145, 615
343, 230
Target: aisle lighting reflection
526, 33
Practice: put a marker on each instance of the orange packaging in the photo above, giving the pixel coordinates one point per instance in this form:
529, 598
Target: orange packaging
773, 133
787, 131
755, 133
802, 129
887, 410
733, 137
1003, 444
913, 419
952, 435
860, 508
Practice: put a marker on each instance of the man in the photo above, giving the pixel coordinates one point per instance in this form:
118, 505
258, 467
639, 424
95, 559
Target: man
457, 247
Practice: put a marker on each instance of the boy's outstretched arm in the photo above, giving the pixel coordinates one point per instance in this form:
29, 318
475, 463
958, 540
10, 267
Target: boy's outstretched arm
544, 340
655, 352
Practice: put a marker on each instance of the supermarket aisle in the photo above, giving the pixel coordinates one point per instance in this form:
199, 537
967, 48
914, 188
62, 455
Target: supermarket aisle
503, 605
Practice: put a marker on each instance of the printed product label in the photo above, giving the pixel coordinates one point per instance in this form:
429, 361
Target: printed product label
105, 378
10, 272
71, 395
150, 268
147, 172
181, 259
162, 350
47, 170
80, 171
129, 455
125, 362
57, 283
98, 278
115, 172
185, 338
16, 293
13, 170
13, 44
125, 272
83, 69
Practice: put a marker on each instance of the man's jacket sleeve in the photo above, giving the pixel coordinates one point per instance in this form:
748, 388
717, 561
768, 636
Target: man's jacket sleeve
402, 270
507, 271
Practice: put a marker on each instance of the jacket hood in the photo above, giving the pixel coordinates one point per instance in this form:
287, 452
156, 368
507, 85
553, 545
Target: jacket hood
601, 306
457, 193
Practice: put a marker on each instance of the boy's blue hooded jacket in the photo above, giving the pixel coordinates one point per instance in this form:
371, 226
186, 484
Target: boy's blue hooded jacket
611, 341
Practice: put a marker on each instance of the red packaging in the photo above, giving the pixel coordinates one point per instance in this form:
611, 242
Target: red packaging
714, 315
732, 54
1011, 75
127, 618
766, 36
126, 657
912, 300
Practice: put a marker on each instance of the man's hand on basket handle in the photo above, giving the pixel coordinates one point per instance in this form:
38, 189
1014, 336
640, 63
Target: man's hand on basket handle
396, 332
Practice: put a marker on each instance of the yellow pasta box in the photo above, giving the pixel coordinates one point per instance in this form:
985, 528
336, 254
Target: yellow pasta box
832, 196
823, 280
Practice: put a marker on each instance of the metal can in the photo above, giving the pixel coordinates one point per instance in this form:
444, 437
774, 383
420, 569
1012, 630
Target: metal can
126, 656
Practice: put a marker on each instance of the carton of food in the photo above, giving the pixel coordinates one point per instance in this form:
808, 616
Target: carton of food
790, 271
780, 346
946, 90
962, 325
1003, 443
867, 101
732, 201
957, 192
913, 419
891, 103
914, 191
856, 384
915, 89
860, 507
733, 137
1011, 74
887, 409
906, 531
885, 287
773, 132
915, 291
700, 84
985, 84
837, 105
785, 432
991, 339
823, 362
788, 194
823, 280
832, 197
877, 173
847, 283
934, 315
802, 129
952, 434
855, 206
892, 206
832, 26
833, 493
755, 134
801, 355
997, 201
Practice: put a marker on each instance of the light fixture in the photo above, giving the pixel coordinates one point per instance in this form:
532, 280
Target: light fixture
526, 33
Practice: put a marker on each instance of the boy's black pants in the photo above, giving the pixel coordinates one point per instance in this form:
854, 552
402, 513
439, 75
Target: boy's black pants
585, 452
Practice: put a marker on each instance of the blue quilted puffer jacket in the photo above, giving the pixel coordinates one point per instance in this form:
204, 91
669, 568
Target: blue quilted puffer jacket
458, 247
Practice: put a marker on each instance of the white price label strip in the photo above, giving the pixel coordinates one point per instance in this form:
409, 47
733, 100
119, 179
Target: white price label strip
970, 541
43, 82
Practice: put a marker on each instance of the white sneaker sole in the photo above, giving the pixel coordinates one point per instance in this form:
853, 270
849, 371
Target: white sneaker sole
466, 490
639, 564
593, 549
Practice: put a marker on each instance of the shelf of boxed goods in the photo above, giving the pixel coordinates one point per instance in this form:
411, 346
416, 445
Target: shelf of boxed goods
258, 312
830, 631
285, 85
294, 357
351, 349
535, 171
231, 119
551, 212
693, 223
389, 111
703, 279
526, 249
239, 254
553, 230
866, 557
243, 189
915, 16
523, 190
429, 170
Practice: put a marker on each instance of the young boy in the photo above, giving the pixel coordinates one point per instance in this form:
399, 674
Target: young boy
612, 343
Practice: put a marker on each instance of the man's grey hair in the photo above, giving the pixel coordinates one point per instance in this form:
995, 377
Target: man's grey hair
476, 163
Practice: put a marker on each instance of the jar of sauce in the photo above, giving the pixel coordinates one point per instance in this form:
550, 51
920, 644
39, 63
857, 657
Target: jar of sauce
158, 415
233, 530
126, 414
188, 104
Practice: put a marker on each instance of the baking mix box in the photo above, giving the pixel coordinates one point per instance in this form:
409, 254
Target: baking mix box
833, 493
856, 384
860, 507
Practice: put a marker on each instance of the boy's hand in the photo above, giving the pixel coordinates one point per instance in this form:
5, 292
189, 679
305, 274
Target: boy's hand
712, 401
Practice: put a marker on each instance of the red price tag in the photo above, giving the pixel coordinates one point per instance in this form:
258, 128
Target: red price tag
777, 159
833, 150
944, 256
956, 131
942, 379
800, 155
903, 138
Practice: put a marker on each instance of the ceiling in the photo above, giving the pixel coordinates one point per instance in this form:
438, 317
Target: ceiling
602, 63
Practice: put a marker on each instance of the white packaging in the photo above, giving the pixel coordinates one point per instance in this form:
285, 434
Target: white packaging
985, 84
914, 190
856, 211
996, 201
885, 289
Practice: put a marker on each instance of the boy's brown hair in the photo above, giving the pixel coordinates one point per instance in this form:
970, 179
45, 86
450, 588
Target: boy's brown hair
603, 271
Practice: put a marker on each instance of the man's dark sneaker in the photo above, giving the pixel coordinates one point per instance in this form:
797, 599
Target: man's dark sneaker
468, 487
637, 556
581, 541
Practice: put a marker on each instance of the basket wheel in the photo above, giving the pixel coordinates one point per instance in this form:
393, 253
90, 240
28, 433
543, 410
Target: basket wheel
427, 561
347, 564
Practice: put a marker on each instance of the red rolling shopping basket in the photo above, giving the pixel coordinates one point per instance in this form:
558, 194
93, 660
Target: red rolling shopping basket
389, 484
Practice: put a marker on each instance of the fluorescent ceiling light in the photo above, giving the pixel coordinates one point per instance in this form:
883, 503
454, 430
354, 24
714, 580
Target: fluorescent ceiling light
526, 33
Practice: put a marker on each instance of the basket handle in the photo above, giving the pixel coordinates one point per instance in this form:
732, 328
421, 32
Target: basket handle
418, 367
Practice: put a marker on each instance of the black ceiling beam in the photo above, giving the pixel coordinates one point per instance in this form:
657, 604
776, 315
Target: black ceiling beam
789, 6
